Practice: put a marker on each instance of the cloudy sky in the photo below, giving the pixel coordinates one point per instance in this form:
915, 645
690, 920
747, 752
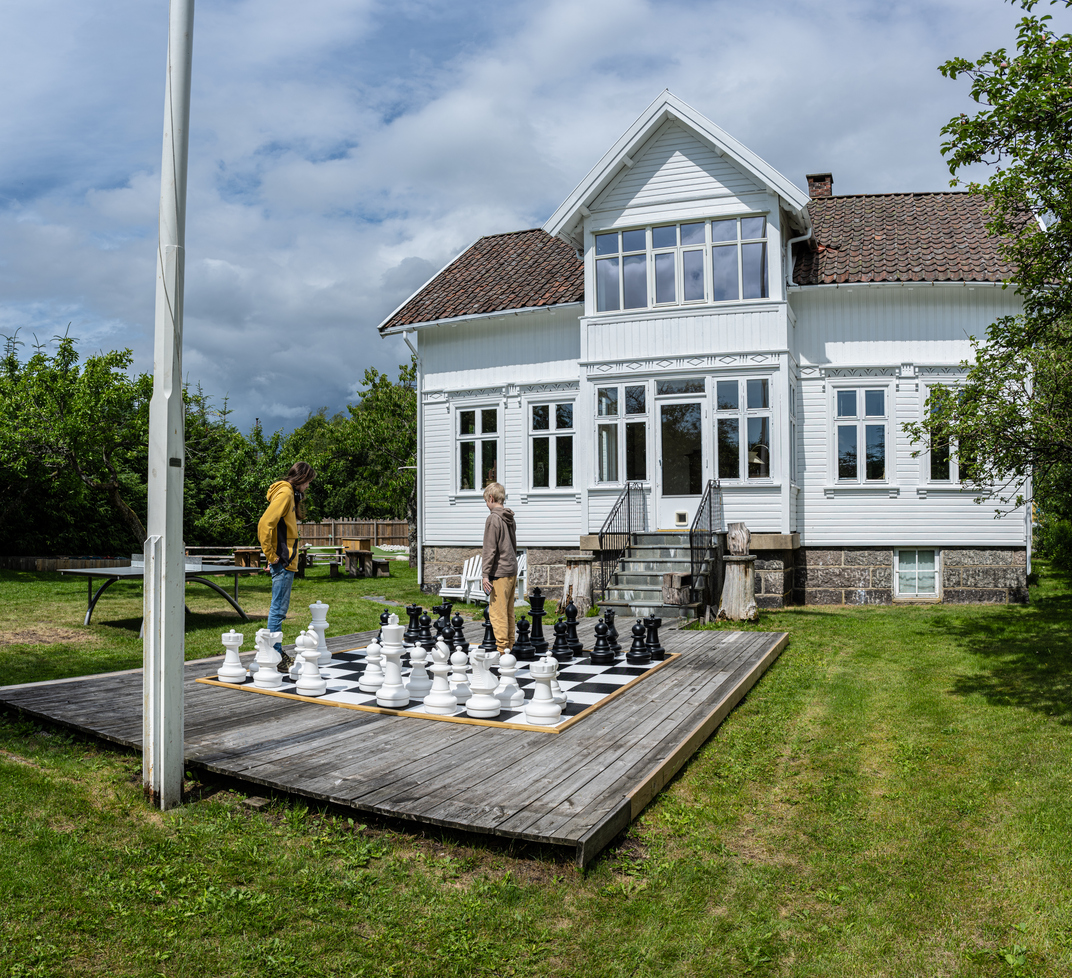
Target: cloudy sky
342, 151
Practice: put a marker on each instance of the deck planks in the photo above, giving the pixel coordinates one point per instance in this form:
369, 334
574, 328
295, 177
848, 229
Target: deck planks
578, 787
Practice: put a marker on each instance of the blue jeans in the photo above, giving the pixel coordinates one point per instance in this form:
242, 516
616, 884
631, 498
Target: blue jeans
282, 581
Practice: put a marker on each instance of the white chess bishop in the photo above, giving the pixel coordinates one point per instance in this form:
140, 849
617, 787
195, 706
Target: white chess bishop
232, 670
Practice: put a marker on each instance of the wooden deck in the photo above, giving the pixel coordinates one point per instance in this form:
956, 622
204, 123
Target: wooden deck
579, 788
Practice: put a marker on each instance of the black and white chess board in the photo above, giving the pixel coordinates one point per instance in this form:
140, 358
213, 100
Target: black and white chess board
586, 687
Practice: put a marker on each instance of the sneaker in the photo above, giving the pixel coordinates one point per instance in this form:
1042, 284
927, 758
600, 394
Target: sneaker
285, 663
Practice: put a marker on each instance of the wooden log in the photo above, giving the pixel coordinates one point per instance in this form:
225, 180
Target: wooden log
739, 590
677, 589
738, 538
579, 577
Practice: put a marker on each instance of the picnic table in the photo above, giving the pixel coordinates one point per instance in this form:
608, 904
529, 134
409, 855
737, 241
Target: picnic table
195, 571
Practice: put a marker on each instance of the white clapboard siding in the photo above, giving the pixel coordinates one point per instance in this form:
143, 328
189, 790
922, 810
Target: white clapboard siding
529, 348
674, 165
741, 331
552, 519
758, 507
892, 324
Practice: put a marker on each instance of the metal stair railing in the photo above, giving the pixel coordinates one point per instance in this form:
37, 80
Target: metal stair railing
705, 550
628, 518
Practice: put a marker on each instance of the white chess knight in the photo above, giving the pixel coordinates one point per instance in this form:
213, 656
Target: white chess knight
319, 625
310, 682
440, 699
508, 691
542, 708
483, 704
393, 692
267, 676
232, 670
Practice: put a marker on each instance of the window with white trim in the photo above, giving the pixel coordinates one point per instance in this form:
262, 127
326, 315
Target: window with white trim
676, 264
478, 447
860, 434
743, 428
622, 433
917, 573
949, 460
551, 445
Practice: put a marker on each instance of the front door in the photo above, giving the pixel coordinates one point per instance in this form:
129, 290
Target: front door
680, 475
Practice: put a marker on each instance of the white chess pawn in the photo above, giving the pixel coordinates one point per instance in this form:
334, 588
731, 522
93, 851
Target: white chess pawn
310, 682
542, 708
458, 680
556, 690
372, 678
420, 683
440, 699
508, 691
266, 676
232, 670
393, 692
483, 704
319, 625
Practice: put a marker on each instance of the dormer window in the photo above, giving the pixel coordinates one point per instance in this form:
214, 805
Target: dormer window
679, 264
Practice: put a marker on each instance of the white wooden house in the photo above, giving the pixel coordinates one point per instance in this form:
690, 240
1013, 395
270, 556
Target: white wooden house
690, 314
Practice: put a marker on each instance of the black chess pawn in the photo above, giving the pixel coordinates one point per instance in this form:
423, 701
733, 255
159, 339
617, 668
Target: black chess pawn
602, 654
523, 649
575, 644
385, 619
488, 645
561, 650
458, 624
638, 653
612, 632
425, 638
413, 629
447, 635
536, 612
656, 650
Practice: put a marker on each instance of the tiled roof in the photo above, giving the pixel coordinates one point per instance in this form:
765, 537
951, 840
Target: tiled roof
501, 271
939, 237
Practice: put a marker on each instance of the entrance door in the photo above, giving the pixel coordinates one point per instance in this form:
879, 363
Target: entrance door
680, 463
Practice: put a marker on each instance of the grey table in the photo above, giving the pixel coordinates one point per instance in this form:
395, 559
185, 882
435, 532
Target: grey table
194, 572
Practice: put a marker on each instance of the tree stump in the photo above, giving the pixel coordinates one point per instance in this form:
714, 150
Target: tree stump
579, 577
739, 589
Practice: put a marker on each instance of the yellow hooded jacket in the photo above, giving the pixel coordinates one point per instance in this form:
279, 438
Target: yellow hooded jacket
278, 527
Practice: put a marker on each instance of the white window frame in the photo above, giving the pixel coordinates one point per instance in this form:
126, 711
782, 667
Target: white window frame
954, 480
621, 421
914, 595
459, 438
743, 413
551, 433
862, 421
706, 247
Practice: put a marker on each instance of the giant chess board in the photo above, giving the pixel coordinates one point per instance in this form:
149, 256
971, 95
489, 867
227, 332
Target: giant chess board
586, 686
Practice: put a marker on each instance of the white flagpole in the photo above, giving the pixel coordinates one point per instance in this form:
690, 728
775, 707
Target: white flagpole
165, 580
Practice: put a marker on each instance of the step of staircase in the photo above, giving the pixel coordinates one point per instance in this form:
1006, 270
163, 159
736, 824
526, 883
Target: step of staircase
636, 589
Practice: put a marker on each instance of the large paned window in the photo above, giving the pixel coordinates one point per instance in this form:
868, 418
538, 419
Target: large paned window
860, 432
622, 433
478, 447
950, 459
743, 428
671, 264
551, 445
917, 573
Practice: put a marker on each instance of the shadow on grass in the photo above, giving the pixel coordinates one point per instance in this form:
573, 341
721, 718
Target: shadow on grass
1025, 654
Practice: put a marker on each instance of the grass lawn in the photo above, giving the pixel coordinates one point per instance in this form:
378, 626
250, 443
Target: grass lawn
892, 798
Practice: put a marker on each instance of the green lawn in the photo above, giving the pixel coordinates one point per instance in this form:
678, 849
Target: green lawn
893, 798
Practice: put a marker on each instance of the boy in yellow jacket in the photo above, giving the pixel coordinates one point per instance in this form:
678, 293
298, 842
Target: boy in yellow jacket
278, 535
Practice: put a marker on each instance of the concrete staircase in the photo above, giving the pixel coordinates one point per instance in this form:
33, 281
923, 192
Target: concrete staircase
636, 588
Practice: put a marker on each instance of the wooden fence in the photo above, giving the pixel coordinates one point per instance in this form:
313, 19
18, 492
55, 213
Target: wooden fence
332, 532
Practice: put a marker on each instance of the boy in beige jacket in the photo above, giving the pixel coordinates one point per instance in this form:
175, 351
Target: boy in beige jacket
500, 565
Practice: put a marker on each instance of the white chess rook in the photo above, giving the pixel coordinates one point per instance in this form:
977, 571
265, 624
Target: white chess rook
393, 692
232, 670
483, 704
542, 708
320, 624
310, 682
267, 676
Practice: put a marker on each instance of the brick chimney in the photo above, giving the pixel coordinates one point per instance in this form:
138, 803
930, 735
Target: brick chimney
820, 184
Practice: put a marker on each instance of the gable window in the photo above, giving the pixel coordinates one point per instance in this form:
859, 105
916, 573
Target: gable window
478, 447
743, 428
673, 264
551, 445
860, 435
917, 573
621, 431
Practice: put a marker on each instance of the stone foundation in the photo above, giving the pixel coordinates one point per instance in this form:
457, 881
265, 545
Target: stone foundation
546, 567
775, 577
997, 576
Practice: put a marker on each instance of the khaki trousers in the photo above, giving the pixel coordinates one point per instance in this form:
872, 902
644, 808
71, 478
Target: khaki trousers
501, 611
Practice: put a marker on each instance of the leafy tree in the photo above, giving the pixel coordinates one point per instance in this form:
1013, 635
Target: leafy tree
1013, 409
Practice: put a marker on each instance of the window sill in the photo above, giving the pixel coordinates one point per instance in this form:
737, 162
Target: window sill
617, 487
532, 495
647, 312
917, 599
743, 484
868, 487
944, 489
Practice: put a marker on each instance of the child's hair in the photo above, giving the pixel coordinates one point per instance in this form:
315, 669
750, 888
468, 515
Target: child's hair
495, 493
301, 473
